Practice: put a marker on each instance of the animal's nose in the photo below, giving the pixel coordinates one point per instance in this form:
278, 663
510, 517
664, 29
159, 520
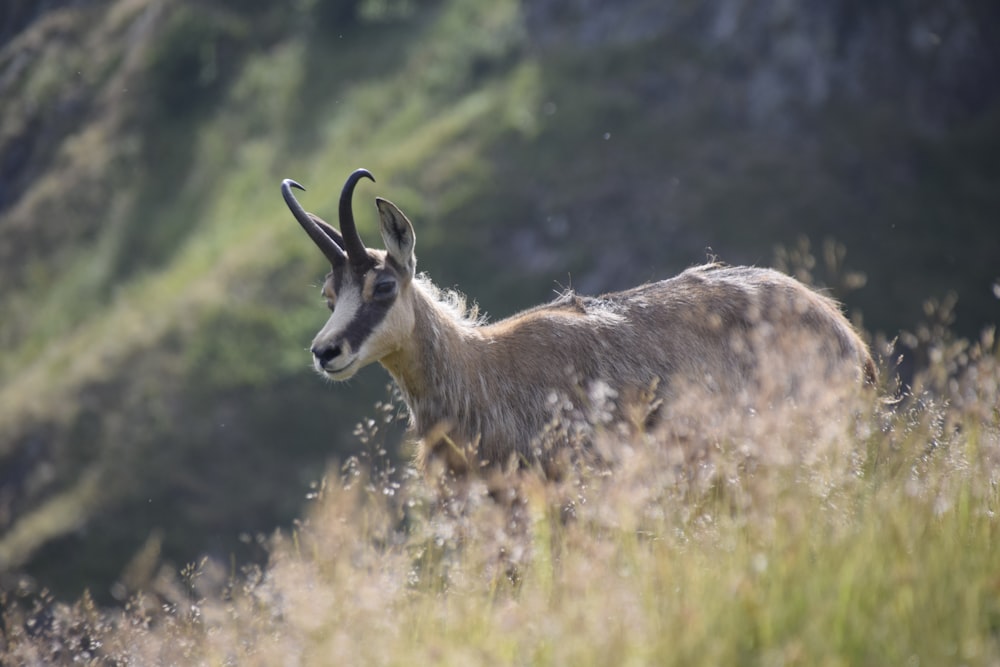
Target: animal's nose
326, 353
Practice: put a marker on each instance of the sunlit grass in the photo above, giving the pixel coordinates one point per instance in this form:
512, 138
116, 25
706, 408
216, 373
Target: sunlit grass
882, 550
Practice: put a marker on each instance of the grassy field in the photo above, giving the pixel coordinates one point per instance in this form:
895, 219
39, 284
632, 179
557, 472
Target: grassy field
866, 541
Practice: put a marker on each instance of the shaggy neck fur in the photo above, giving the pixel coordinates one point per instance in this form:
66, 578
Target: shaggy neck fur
439, 370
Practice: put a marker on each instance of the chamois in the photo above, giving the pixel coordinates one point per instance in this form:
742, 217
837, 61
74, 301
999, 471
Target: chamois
492, 390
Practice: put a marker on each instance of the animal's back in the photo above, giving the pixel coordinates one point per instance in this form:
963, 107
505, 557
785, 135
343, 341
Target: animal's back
723, 327
715, 327
726, 331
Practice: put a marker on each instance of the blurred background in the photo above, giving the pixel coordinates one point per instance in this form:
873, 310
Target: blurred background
157, 299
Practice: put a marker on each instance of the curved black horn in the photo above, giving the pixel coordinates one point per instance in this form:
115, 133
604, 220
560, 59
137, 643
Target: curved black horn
352, 240
332, 251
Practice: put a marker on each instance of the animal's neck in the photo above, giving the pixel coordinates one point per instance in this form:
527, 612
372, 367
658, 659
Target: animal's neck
438, 367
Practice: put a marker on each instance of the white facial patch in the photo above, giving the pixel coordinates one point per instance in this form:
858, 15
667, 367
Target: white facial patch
344, 312
389, 333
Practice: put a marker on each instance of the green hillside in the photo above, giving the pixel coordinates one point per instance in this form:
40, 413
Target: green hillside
157, 298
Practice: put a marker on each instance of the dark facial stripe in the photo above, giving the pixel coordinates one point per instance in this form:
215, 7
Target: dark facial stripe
368, 317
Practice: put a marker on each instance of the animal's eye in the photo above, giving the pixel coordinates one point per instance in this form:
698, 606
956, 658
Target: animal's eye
330, 298
384, 288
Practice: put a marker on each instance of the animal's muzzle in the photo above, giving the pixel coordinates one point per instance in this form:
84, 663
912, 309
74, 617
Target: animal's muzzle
327, 354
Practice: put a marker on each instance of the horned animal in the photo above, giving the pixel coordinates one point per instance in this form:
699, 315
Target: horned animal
493, 389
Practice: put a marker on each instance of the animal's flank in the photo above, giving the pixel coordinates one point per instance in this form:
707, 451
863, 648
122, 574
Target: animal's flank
494, 392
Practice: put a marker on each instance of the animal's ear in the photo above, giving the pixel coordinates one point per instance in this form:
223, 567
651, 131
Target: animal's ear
397, 234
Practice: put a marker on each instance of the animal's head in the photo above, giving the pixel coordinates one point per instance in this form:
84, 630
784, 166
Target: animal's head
367, 290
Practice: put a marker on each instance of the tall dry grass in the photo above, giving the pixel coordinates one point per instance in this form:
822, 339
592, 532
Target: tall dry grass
825, 529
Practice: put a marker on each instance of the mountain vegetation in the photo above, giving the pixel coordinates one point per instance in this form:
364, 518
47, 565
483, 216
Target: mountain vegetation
157, 299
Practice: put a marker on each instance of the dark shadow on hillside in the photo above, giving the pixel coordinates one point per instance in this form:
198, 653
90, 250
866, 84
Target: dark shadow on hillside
243, 469
666, 131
